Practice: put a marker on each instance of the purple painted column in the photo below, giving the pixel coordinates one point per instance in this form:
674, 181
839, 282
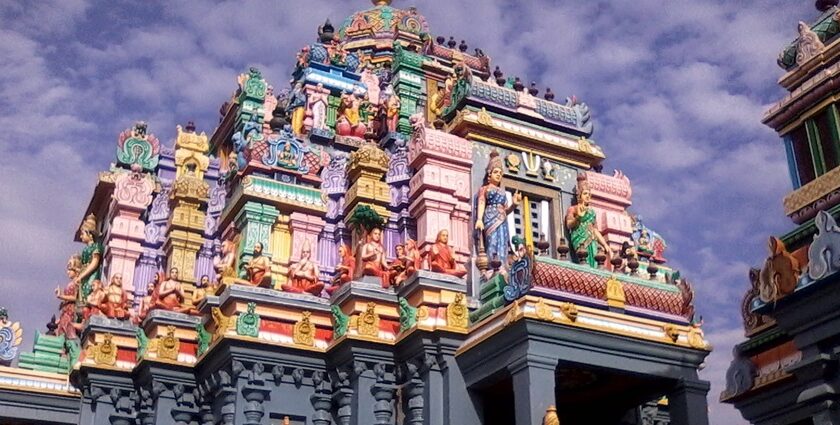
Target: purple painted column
334, 185
398, 177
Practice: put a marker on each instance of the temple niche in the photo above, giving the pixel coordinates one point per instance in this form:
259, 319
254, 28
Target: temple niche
375, 242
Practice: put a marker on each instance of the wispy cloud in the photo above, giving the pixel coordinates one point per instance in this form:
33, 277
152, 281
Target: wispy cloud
676, 88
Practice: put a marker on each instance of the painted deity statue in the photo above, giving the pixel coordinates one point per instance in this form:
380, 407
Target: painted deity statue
349, 122
580, 219
115, 303
492, 211
91, 256
344, 270
148, 300
372, 257
203, 289
303, 275
93, 300
297, 107
399, 266
259, 268
392, 110
224, 264
170, 296
68, 298
441, 258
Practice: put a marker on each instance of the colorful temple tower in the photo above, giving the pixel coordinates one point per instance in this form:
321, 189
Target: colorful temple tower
785, 373
402, 236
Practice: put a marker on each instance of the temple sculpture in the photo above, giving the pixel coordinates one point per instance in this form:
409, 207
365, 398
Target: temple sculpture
396, 233
782, 372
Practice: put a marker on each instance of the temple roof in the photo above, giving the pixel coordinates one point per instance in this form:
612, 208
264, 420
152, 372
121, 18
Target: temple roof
382, 21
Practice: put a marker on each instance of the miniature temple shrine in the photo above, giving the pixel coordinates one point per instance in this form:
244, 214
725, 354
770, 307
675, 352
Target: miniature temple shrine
402, 235
785, 371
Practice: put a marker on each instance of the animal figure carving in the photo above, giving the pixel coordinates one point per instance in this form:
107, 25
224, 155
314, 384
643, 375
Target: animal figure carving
824, 252
779, 274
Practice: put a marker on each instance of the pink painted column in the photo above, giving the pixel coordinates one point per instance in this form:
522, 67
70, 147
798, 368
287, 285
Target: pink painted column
610, 199
439, 191
132, 195
305, 228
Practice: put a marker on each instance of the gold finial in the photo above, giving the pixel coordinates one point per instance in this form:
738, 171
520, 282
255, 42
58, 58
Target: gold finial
381, 2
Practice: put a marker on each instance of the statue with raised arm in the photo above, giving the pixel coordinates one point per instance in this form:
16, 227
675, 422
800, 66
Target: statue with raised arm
170, 296
67, 325
580, 219
492, 210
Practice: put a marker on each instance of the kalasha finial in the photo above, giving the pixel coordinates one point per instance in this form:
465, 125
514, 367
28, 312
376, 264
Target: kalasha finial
451, 43
517, 84
440, 40
824, 5
381, 2
533, 91
500, 76
463, 46
190, 127
326, 32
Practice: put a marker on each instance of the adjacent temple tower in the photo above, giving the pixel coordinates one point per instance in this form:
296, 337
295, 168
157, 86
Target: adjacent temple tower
785, 372
403, 235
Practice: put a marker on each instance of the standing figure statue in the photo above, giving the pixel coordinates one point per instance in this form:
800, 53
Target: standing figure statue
392, 109
296, 107
68, 297
492, 211
91, 257
580, 219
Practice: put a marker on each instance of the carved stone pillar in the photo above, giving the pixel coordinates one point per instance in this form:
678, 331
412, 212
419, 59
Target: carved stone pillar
320, 400
342, 397
533, 389
280, 249
255, 221
687, 403
383, 392
132, 195
440, 188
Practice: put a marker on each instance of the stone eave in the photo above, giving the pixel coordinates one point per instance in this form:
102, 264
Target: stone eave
586, 318
807, 195
17, 379
504, 132
286, 197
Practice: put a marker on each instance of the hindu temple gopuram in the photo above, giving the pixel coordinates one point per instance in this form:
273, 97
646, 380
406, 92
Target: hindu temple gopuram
401, 234
786, 372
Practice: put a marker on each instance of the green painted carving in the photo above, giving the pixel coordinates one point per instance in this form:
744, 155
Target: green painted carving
408, 315
491, 296
254, 220
142, 343
341, 322
254, 86
71, 347
50, 354
203, 339
248, 324
404, 58
135, 146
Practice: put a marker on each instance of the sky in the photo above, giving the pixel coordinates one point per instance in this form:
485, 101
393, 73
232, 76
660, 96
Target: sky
677, 90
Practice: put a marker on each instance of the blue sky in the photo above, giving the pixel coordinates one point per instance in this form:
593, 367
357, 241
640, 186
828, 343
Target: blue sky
677, 90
